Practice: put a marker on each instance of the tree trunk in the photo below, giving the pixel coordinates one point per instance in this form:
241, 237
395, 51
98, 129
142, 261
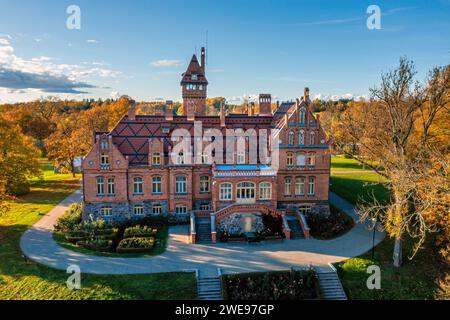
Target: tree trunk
397, 256
72, 166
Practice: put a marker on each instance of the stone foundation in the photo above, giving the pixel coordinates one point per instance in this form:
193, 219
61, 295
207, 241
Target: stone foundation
235, 223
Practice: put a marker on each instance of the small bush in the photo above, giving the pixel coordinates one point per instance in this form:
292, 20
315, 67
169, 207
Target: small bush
139, 231
70, 220
96, 244
331, 226
147, 242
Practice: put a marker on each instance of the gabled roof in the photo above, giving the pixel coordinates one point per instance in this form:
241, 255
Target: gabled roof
194, 68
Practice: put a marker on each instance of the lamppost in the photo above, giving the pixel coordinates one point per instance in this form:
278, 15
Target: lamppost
374, 220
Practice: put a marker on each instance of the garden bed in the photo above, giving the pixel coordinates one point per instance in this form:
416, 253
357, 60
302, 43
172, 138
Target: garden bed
273, 285
329, 227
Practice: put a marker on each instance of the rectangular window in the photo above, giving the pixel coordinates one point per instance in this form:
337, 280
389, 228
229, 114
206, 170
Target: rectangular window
156, 159
180, 209
180, 185
104, 160
106, 211
301, 159
240, 157
300, 186
138, 210
205, 207
290, 160
311, 159
137, 185
157, 209
287, 186
100, 186
226, 190
111, 186
204, 184
311, 186
265, 191
156, 185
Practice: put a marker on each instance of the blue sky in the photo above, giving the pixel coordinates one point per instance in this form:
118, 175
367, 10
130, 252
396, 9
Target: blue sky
276, 47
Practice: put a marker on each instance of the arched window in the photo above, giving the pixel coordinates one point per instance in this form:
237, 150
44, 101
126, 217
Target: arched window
265, 191
301, 159
111, 186
226, 191
287, 186
100, 186
180, 185
312, 138
301, 138
245, 192
300, 185
312, 186
156, 185
137, 185
240, 159
291, 138
302, 116
204, 184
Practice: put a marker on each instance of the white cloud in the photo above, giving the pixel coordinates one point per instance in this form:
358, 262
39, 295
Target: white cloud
336, 97
4, 42
37, 39
114, 94
41, 73
166, 63
91, 41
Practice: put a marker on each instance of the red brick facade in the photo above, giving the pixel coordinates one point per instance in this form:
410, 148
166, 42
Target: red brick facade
130, 171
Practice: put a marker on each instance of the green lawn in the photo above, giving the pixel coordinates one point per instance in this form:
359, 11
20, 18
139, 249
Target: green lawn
416, 279
344, 164
355, 186
21, 279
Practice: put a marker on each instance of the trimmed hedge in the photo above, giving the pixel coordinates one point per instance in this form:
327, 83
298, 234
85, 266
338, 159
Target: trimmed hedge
329, 227
102, 245
139, 231
273, 285
141, 243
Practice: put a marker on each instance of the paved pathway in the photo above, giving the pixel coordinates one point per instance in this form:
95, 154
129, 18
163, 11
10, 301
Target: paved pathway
37, 244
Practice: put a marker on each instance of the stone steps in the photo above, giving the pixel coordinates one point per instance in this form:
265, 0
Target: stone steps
296, 229
209, 286
203, 230
330, 285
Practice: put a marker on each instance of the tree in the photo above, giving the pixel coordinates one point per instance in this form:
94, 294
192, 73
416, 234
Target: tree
392, 136
18, 160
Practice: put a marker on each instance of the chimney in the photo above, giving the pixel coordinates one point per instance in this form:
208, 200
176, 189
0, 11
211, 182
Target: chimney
202, 59
169, 113
131, 110
265, 104
306, 95
222, 115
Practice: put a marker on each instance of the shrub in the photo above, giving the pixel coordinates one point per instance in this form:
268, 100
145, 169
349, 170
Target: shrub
274, 285
96, 244
71, 219
147, 242
139, 231
331, 226
274, 224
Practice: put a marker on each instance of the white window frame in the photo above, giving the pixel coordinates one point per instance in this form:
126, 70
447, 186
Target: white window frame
106, 212
300, 186
240, 157
302, 116
157, 209
204, 184
226, 191
311, 186
246, 190
104, 159
301, 159
138, 210
100, 186
265, 191
156, 185
111, 186
138, 185
301, 137
291, 138
312, 138
288, 186
180, 209
156, 158
289, 159
180, 185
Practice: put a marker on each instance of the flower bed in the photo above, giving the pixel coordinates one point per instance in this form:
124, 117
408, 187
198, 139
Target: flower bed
331, 226
137, 244
273, 285
139, 231
101, 245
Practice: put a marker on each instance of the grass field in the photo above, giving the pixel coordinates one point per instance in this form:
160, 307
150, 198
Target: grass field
416, 279
340, 163
23, 279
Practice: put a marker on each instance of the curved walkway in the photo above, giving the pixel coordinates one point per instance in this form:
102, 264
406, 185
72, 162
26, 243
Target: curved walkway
38, 245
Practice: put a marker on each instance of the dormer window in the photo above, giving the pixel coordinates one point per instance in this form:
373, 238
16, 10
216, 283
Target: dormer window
156, 159
104, 145
194, 77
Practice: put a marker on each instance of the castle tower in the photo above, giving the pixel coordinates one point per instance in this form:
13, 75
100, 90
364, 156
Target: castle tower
194, 87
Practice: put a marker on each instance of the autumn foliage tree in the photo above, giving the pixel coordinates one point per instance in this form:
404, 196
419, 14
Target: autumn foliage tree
400, 134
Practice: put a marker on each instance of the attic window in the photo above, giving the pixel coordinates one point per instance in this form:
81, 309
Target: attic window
194, 77
166, 130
